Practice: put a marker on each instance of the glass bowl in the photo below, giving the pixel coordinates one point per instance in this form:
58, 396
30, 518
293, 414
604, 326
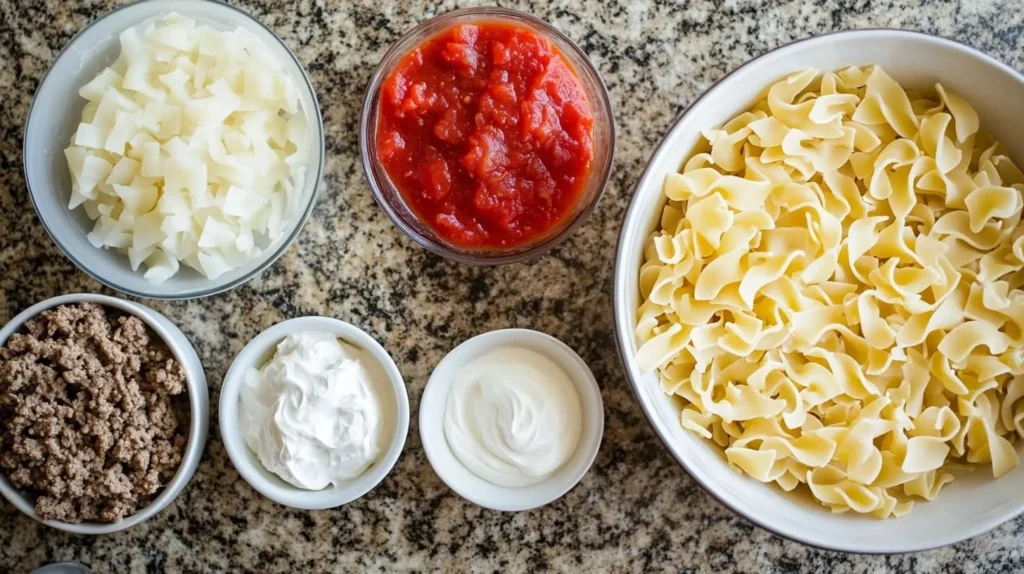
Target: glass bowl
403, 216
56, 111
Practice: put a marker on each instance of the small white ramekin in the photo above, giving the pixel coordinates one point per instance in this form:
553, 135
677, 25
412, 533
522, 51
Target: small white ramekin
198, 398
258, 352
472, 487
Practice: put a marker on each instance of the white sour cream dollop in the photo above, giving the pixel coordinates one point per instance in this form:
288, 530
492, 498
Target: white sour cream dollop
313, 414
513, 417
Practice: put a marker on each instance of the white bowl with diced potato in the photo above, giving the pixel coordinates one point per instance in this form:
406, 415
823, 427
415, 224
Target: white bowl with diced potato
203, 198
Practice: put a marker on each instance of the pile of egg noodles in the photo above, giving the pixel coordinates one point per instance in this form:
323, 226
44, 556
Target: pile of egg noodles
834, 291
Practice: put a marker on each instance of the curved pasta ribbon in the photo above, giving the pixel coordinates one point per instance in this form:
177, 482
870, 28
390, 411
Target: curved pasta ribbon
836, 292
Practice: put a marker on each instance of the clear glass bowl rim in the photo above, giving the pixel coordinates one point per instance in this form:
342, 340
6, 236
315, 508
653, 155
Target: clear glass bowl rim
480, 257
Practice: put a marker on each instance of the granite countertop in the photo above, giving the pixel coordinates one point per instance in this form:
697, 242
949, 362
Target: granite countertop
636, 510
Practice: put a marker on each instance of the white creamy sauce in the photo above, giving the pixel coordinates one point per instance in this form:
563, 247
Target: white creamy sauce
513, 417
314, 414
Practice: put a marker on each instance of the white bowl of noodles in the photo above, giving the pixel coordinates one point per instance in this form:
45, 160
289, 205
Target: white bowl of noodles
969, 505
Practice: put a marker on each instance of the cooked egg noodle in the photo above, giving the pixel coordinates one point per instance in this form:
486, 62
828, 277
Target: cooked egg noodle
834, 291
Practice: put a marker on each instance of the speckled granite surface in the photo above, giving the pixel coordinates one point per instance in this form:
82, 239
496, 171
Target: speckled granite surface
636, 510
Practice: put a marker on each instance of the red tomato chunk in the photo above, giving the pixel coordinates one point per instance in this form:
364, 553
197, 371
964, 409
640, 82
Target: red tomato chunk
487, 133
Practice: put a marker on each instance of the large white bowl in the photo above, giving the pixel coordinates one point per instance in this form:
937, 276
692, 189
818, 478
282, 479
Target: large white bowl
57, 110
971, 504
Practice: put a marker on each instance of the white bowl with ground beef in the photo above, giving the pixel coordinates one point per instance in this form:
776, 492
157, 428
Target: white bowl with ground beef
104, 412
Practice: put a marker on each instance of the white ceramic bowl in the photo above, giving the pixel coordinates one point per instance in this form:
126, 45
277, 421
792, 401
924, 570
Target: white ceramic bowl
472, 487
199, 410
257, 353
971, 504
56, 112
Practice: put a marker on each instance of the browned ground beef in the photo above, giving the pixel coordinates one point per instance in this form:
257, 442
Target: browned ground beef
92, 413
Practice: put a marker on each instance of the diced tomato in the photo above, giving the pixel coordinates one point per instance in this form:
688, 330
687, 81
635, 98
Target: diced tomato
487, 133
436, 179
452, 127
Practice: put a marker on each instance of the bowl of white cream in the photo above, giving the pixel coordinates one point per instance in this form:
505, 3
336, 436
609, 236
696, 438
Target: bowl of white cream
313, 413
511, 420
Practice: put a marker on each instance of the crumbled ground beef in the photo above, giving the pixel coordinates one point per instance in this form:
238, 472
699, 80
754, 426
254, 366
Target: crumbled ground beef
93, 413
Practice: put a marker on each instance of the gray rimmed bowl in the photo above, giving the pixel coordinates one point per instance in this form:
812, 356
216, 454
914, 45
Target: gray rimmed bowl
56, 112
199, 410
975, 502
402, 214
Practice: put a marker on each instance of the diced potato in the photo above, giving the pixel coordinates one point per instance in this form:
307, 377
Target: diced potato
126, 127
191, 145
76, 159
94, 90
124, 171
236, 141
152, 160
177, 34
213, 264
216, 234
177, 223
147, 231
160, 267
90, 136
176, 82
138, 78
77, 199
137, 256
243, 203
139, 197
94, 170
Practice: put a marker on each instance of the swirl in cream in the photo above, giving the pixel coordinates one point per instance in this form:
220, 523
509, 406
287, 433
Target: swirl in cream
513, 417
313, 414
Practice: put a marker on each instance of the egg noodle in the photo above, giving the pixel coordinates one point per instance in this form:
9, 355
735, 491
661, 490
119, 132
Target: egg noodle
835, 291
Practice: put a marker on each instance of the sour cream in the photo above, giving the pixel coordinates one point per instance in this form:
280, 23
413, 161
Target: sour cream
314, 414
513, 417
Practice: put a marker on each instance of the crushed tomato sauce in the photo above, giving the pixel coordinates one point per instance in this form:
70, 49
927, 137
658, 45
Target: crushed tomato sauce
487, 133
